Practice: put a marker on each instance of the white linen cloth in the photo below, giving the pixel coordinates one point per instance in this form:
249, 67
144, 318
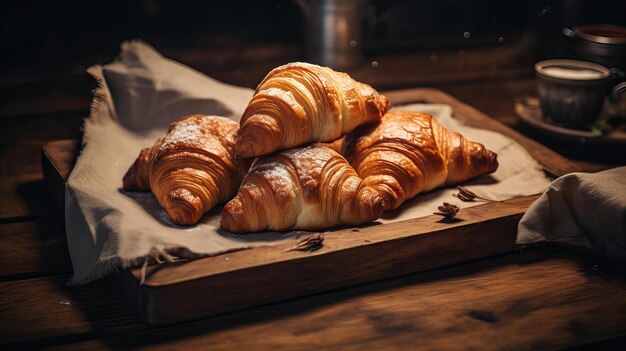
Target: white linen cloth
581, 209
139, 95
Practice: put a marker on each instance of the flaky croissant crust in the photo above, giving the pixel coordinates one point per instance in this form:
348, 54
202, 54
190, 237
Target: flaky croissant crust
409, 152
307, 188
192, 168
301, 103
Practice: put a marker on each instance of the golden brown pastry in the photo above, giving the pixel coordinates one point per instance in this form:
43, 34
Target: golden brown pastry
306, 188
301, 103
137, 178
191, 169
409, 152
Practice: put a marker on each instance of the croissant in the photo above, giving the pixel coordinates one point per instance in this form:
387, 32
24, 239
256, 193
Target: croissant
306, 188
409, 152
301, 103
191, 169
137, 178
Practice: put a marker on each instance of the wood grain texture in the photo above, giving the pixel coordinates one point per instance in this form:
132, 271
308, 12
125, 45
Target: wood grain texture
175, 292
44, 311
57, 160
33, 249
22, 137
495, 98
238, 280
533, 300
23, 195
540, 299
70, 90
396, 71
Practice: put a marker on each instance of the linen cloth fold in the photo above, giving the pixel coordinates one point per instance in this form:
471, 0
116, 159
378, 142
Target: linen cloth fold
138, 96
581, 209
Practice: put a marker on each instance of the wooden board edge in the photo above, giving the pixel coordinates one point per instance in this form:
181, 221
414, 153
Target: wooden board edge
152, 299
57, 159
52, 179
336, 241
275, 276
360, 264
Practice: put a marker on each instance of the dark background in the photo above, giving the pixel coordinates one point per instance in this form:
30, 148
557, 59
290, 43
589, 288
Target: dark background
45, 47
47, 37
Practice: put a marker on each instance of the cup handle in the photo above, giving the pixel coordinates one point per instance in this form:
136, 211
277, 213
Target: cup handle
617, 91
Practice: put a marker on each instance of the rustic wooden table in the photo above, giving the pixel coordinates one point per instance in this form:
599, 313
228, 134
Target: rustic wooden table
539, 298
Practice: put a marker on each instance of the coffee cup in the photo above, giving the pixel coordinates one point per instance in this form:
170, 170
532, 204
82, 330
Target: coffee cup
572, 92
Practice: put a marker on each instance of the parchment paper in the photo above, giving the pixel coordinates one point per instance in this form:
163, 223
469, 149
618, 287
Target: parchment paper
139, 95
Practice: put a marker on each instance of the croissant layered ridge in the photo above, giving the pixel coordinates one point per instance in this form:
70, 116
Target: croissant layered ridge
137, 178
301, 103
305, 188
408, 153
192, 168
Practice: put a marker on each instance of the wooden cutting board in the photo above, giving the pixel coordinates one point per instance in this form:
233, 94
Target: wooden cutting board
179, 291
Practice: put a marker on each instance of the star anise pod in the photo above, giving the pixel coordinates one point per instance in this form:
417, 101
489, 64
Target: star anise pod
466, 195
308, 243
448, 210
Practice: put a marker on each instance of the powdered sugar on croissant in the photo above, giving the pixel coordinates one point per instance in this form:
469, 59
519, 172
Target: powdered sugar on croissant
192, 168
306, 188
409, 152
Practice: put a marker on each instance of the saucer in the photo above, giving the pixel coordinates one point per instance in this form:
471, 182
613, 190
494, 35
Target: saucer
529, 111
